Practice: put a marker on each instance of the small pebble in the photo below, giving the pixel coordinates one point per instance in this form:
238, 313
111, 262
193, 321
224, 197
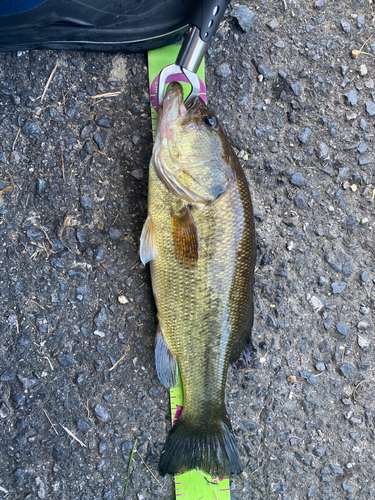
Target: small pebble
65, 360
345, 370
266, 72
343, 329
292, 379
137, 173
346, 486
223, 70
244, 16
338, 287
289, 245
300, 201
272, 25
100, 139
364, 277
30, 128
114, 233
351, 97
323, 151
363, 70
370, 108
345, 26
122, 299
353, 187
297, 179
101, 412
304, 135
362, 342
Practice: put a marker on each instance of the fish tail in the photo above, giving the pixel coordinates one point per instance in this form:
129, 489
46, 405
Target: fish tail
210, 447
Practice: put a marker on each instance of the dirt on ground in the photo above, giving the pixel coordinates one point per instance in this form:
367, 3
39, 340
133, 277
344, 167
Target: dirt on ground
293, 85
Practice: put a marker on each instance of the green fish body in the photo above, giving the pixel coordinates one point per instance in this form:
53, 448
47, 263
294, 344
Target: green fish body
199, 238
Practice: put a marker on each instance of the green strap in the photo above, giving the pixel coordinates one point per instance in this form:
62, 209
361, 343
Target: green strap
192, 485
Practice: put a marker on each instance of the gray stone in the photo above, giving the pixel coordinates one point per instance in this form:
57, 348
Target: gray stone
137, 173
363, 124
266, 72
26, 382
244, 16
114, 233
223, 70
345, 370
360, 22
41, 187
65, 360
72, 109
272, 25
83, 425
100, 139
296, 88
86, 203
351, 97
365, 159
343, 329
100, 254
345, 26
304, 134
30, 128
364, 277
322, 151
336, 469
300, 202
103, 122
338, 287
101, 412
370, 108
346, 486
135, 139
4, 411
101, 317
297, 179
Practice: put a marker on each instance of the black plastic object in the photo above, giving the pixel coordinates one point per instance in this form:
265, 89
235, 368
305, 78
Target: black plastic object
207, 16
105, 25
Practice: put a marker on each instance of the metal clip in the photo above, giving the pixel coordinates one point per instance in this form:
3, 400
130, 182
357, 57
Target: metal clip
187, 63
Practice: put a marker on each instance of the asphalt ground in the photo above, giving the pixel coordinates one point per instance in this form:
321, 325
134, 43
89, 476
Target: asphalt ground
75, 299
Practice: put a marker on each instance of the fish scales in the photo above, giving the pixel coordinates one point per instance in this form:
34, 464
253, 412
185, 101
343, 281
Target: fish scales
205, 306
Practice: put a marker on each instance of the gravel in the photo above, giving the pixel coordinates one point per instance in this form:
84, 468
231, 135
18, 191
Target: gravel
69, 240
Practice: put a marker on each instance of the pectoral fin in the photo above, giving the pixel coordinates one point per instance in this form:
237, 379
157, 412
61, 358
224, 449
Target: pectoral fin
185, 238
147, 250
165, 360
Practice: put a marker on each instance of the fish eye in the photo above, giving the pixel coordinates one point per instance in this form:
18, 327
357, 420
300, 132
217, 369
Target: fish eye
210, 121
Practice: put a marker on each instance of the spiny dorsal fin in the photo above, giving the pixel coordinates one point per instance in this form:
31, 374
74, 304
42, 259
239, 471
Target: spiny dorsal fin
147, 249
185, 238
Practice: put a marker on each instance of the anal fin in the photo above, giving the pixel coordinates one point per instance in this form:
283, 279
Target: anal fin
185, 238
165, 360
147, 250
243, 350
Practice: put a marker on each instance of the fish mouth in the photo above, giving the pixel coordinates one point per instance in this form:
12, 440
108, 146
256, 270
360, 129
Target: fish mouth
173, 107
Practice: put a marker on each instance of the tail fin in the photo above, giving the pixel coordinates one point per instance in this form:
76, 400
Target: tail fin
210, 448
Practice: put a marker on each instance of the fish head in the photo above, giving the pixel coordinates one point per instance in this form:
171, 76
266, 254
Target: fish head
192, 155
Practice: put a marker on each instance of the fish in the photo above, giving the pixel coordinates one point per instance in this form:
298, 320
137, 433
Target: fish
199, 238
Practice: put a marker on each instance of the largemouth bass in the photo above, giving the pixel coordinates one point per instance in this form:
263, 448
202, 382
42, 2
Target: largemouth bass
199, 237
